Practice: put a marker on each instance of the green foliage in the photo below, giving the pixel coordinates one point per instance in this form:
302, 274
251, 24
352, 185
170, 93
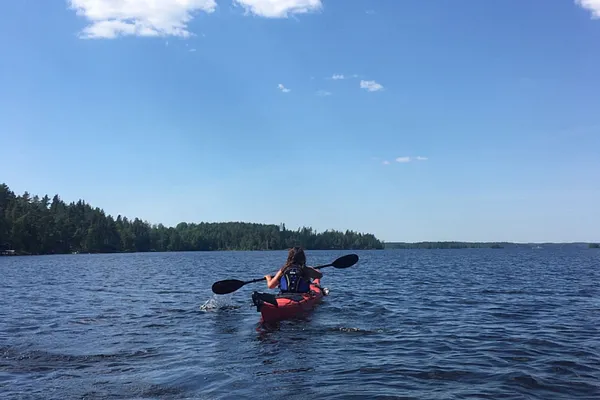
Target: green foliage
40, 226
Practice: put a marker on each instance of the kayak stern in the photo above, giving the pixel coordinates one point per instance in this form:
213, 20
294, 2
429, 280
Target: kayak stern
287, 305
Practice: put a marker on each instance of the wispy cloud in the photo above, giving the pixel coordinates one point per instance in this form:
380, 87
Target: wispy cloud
591, 5
192, 50
371, 86
279, 8
283, 88
112, 18
370, 12
323, 93
337, 77
407, 159
401, 160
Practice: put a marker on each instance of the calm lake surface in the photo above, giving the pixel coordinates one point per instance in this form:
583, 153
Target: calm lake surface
410, 324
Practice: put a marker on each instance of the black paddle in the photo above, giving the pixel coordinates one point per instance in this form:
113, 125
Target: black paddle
231, 285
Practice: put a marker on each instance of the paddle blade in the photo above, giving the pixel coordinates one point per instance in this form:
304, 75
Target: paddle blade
345, 261
227, 286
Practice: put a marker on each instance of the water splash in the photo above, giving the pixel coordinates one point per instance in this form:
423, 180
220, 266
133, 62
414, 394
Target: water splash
221, 302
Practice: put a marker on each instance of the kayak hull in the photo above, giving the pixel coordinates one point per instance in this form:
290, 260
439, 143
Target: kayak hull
289, 305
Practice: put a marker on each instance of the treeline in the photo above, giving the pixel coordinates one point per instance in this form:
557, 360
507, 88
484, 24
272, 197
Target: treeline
444, 245
34, 225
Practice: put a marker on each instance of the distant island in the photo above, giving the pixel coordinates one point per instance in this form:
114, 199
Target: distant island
34, 225
444, 245
483, 245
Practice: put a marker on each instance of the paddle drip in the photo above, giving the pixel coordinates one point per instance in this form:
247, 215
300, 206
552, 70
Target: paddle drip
216, 303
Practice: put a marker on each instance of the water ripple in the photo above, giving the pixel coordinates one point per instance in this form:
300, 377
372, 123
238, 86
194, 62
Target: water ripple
458, 324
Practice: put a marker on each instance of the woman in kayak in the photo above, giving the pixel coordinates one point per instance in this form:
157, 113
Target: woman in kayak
295, 275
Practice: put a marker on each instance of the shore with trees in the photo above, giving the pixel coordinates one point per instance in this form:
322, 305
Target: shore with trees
44, 225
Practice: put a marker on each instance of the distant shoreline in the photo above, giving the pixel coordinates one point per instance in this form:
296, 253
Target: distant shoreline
483, 245
388, 247
179, 251
34, 225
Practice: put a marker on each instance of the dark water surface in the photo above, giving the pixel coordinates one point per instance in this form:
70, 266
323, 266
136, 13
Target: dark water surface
417, 324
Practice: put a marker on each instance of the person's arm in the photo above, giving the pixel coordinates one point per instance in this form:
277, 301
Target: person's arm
273, 282
313, 273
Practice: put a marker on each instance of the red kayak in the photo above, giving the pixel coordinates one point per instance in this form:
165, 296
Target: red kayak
287, 305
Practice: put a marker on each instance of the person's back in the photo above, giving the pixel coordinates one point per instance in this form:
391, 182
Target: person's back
295, 276
294, 280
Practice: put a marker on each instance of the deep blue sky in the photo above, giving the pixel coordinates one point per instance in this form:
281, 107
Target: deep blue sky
493, 108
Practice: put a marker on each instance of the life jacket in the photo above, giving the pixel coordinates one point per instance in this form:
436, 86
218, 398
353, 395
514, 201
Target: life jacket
293, 281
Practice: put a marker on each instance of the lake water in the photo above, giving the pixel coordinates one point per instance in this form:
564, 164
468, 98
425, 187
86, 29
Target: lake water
410, 324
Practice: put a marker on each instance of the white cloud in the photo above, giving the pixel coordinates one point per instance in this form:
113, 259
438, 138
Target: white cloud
283, 88
370, 12
192, 50
592, 5
323, 93
371, 86
112, 18
403, 159
279, 8
336, 77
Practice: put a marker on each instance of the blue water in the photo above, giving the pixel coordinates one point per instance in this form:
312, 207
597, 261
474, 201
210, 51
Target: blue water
410, 324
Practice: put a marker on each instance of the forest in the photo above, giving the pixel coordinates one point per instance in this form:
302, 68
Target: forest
30, 225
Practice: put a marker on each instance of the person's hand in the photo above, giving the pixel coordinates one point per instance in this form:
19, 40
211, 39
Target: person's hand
268, 277
313, 273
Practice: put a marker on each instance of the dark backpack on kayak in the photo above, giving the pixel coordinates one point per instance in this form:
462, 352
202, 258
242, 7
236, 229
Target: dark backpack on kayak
294, 280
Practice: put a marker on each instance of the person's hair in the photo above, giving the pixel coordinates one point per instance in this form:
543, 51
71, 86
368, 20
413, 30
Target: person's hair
295, 256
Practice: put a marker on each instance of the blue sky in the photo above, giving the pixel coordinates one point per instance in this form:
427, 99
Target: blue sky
413, 120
